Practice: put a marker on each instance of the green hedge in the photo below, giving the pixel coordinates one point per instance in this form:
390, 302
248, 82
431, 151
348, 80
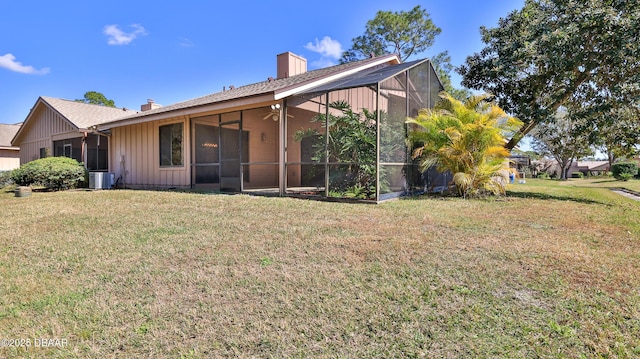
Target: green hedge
52, 172
624, 170
5, 178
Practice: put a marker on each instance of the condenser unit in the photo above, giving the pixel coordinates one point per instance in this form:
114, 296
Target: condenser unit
101, 180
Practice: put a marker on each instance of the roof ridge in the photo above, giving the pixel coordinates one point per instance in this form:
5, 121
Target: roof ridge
290, 78
261, 87
84, 103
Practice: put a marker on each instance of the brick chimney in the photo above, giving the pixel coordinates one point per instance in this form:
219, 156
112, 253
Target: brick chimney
290, 64
150, 105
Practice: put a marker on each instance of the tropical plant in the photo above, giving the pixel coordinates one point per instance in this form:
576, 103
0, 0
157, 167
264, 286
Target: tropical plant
351, 150
467, 139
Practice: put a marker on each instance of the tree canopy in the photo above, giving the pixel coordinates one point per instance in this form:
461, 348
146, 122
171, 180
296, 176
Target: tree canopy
96, 98
552, 53
404, 33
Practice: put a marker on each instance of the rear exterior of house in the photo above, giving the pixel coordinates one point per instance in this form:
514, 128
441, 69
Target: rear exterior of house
273, 137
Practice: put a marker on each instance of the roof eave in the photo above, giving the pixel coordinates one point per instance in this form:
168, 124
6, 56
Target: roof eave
211, 107
288, 91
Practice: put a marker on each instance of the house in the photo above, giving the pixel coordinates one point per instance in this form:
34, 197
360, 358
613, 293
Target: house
520, 163
592, 168
66, 128
270, 137
9, 154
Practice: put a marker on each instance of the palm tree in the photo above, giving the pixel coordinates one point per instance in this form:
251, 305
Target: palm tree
467, 139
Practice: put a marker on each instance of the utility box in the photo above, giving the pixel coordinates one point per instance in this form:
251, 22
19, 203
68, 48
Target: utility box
101, 180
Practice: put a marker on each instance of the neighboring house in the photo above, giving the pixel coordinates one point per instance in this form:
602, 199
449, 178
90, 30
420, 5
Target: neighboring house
521, 163
592, 168
9, 154
56, 127
260, 138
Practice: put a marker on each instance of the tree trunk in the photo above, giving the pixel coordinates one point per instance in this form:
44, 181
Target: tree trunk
566, 165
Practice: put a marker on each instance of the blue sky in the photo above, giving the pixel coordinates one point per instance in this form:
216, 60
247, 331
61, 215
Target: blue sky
173, 51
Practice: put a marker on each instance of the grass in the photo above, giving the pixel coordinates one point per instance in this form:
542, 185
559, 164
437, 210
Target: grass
553, 270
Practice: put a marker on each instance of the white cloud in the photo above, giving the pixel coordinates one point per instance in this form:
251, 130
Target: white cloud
322, 63
327, 47
8, 61
185, 42
115, 36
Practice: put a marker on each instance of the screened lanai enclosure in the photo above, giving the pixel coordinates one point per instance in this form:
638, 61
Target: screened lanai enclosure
343, 140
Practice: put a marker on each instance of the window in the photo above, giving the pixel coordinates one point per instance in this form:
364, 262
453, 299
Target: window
43, 152
171, 145
71, 148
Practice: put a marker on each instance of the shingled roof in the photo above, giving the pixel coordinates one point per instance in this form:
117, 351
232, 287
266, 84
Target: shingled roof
79, 114
280, 88
83, 115
6, 135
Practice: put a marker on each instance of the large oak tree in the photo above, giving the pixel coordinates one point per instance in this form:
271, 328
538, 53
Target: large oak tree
552, 53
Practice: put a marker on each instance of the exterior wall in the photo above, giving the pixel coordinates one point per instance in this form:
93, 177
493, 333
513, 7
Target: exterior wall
301, 120
135, 156
44, 127
134, 153
358, 98
9, 159
263, 148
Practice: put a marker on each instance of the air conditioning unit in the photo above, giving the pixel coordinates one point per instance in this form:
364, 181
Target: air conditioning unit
101, 180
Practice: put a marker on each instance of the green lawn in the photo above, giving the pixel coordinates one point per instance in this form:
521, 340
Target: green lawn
553, 270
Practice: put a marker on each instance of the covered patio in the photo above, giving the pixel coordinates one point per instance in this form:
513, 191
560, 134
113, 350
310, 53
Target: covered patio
343, 140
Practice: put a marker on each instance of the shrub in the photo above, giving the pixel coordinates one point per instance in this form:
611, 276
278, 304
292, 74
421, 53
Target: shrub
52, 172
543, 175
624, 170
5, 178
577, 175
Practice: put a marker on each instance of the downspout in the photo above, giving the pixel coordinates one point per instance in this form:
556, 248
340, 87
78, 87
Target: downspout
240, 152
326, 147
378, 142
83, 151
282, 156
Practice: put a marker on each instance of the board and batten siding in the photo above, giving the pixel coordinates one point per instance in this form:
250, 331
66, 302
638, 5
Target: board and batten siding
135, 156
45, 127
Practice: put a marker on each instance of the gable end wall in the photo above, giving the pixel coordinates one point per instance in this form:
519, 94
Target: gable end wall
44, 126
